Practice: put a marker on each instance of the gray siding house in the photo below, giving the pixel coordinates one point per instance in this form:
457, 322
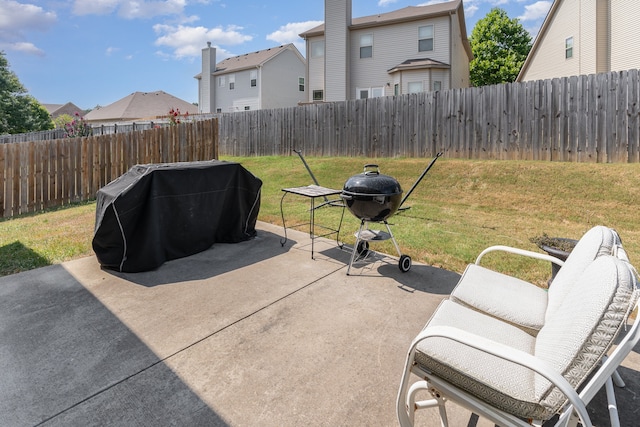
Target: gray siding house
414, 49
585, 37
270, 78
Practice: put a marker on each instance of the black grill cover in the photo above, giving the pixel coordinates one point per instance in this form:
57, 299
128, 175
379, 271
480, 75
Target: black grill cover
159, 212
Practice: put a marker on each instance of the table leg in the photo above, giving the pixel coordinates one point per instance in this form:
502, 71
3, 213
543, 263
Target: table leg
283, 241
312, 225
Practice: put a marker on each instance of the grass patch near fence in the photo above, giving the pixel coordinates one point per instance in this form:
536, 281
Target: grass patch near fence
458, 209
50, 237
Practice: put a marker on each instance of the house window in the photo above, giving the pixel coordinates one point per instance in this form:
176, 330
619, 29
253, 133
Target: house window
373, 92
317, 49
221, 81
232, 81
425, 38
414, 87
318, 95
301, 84
568, 48
396, 89
253, 76
218, 110
247, 108
366, 46
437, 85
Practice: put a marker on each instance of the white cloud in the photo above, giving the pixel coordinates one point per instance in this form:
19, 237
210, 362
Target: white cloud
26, 47
430, 2
384, 3
111, 50
188, 41
129, 9
470, 10
289, 33
17, 20
535, 11
94, 7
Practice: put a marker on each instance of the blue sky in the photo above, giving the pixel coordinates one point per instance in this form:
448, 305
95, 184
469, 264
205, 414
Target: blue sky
94, 52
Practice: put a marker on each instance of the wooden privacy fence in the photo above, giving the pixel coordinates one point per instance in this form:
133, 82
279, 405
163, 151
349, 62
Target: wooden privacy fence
42, 174
591, 118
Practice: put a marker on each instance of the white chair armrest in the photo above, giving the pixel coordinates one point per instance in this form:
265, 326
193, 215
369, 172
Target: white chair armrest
506, 353
522, 252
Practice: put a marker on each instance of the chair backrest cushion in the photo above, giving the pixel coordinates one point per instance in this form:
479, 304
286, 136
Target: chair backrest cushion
598, 241
582, 328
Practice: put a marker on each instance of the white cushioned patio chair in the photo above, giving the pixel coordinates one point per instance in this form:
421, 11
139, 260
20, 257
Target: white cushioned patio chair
505, 373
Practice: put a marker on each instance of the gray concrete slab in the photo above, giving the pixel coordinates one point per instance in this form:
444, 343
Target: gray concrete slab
239, 335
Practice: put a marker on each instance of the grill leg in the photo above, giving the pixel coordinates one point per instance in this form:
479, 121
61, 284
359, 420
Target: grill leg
393, 239
355, 247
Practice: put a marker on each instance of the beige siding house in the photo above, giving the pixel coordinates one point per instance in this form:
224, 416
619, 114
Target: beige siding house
269, 78
585, 37
414, 49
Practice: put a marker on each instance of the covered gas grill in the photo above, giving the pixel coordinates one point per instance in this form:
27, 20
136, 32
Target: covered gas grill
374, 197
159, 212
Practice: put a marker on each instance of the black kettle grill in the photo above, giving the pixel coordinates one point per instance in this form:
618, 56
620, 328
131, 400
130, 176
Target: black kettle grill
374, 197
371, 196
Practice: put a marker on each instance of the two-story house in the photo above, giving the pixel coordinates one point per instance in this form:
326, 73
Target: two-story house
585, 37
414, 49
270, 78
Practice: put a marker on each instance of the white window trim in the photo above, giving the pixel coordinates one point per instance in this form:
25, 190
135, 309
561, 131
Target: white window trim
567, 47
317, 49
409, 84
433, 38
370, 91
366, 45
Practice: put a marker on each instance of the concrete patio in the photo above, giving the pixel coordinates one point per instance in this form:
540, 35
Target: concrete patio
247, 334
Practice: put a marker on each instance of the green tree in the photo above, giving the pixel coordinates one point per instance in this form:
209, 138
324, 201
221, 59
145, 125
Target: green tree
500, 46
19, 112
62, 120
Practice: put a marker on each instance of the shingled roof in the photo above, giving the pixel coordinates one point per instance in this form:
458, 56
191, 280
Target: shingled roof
138, 106
409, 13
251, 60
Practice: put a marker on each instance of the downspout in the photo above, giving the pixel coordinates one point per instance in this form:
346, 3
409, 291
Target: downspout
450, 51
259, 83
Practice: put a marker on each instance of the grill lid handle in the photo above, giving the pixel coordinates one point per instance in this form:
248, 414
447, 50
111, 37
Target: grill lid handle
370, 172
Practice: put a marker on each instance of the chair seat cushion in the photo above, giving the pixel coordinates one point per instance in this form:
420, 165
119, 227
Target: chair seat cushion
502, 384
505, 297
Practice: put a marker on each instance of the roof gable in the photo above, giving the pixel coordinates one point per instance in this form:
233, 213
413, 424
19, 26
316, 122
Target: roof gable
254, 59
540, 36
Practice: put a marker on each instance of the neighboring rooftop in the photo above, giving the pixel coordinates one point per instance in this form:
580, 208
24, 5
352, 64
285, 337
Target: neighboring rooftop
56, 110
140, 105
251, 60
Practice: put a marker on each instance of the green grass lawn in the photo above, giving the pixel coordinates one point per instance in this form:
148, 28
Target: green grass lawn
459, 208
